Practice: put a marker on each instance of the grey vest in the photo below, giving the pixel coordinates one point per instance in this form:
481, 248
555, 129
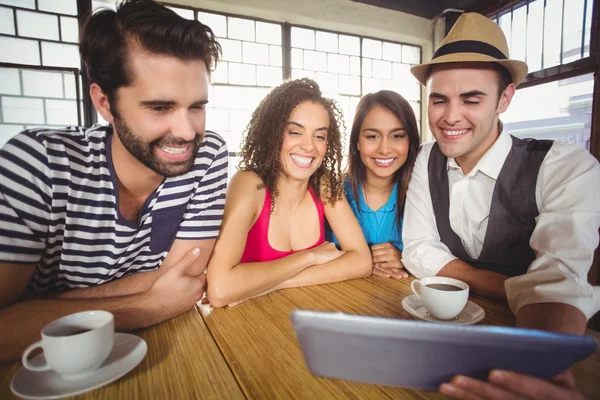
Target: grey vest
512, 214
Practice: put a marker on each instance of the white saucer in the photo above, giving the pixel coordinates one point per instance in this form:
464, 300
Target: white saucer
127, 352
471, 314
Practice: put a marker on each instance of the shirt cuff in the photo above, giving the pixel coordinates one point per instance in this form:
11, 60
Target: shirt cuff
423, 261
552, 287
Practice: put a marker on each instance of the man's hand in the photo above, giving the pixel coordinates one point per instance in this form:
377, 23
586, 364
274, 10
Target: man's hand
505, 385
178, 289
387, 261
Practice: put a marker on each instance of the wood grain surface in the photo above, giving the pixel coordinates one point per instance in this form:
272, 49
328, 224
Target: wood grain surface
182, 362
259, 344
250, 351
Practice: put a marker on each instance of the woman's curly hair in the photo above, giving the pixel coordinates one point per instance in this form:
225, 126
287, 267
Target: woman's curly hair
263, 138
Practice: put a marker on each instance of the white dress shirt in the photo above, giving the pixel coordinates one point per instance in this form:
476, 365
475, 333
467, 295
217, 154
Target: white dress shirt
564, 239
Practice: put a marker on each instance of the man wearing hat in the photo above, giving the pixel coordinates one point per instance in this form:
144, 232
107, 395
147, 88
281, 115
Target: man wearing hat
514, 218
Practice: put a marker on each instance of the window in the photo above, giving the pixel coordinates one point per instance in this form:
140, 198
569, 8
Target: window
39, 66
553, 38
251, 65
255, 59
559, 110
547, 33
348, 67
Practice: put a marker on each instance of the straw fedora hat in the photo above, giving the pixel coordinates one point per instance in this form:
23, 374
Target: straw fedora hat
473, 38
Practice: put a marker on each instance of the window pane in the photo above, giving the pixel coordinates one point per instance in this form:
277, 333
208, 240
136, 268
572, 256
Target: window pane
275, 56
256, 53
519, 32
367, 67
242, 74
354, 65
327, 82
558, 110
232, 50
371, 85
552, 39
588, 27
315, 60
350, 85
573, 30
218, 23
268, 76
371, 48
221, 74
297, 58
338, 63
303, 38
349, 45
238, 28
411, 54
392, 52
535, 24
382, 69
268, 33
327, 42
301, 73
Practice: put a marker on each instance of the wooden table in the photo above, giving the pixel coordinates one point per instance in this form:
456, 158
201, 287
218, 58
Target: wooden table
250, 351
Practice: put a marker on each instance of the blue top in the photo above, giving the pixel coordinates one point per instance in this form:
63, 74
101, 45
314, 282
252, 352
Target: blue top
378, 226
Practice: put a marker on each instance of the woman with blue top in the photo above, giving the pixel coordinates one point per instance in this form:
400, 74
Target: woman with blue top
384, 143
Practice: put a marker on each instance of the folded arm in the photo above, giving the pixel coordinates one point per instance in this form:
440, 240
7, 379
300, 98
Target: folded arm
143, 281
356, 262
229, 280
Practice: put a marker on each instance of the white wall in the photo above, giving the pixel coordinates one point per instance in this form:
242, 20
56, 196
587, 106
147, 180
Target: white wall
337, 15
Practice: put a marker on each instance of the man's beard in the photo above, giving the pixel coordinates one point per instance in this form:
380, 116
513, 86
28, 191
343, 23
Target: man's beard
145, 152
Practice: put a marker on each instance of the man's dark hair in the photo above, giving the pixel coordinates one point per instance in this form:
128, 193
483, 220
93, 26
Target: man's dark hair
504, 78
107, 35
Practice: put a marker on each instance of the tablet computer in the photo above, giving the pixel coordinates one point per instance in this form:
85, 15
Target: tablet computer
423, 355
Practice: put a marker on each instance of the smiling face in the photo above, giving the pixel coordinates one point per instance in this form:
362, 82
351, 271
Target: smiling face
463, 110
304, 141
383, 143
160, 118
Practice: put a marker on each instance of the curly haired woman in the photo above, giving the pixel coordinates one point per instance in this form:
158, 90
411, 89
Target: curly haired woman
273, 232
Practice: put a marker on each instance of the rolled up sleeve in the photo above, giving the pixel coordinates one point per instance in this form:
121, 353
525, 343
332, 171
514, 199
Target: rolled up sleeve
565, 236
424, 254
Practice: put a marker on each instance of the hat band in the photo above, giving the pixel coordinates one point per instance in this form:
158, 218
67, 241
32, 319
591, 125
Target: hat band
470, 46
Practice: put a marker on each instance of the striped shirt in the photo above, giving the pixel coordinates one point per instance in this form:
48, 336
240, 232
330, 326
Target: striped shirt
59, 208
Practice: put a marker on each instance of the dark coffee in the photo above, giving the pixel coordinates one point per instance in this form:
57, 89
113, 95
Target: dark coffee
78, 331
71, 331
444, 286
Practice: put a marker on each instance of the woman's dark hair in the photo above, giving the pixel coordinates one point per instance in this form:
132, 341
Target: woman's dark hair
107, 36
263, 138
357, 172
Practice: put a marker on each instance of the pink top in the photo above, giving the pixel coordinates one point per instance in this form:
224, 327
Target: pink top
258, 248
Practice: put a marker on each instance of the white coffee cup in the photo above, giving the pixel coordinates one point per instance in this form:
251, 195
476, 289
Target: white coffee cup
441, 300
75, 345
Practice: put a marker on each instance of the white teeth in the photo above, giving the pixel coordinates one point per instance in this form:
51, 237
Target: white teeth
174, 150
302, 160
386, 161
454, 133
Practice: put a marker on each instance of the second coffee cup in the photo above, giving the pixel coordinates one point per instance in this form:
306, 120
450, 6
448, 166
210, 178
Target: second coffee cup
444, 298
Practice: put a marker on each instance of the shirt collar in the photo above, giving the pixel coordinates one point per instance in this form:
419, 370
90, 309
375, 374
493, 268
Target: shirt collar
389, 206
493, 160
